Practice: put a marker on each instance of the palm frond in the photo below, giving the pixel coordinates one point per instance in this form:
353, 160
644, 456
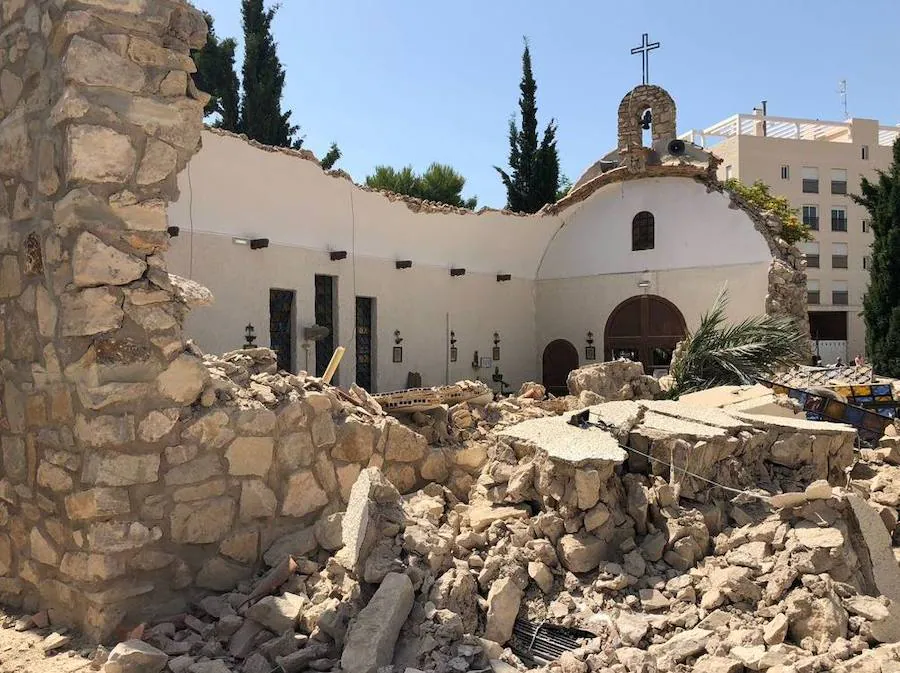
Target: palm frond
718, 354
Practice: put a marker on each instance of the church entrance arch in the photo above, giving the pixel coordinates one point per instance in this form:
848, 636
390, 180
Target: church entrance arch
645, 329
560, 357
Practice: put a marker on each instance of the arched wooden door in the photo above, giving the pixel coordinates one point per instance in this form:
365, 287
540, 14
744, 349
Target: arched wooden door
560, 357
646, 329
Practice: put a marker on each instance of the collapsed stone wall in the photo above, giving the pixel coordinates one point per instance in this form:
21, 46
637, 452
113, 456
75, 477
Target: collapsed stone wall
131, 464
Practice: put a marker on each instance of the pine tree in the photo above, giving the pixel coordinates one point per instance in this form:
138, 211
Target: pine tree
439, 182
881, 304
216, 76
263, 80
533, 180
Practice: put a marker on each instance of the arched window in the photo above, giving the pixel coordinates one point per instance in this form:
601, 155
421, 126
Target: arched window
642, 231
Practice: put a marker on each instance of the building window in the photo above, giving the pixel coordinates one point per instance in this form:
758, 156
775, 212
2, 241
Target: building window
728, 173
839, 255
865, 152
839, 293
838, 180
811, 251
866, 262
812, 291
785, 172
865, 226
811, 217
642, 231
810, 180
839, 219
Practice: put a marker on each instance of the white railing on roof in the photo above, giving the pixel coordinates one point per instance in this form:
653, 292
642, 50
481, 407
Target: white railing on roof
782, 127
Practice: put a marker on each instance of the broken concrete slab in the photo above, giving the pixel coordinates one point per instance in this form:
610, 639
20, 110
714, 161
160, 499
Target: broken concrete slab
565, 442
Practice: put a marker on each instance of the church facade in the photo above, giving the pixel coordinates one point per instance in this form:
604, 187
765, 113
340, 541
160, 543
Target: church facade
622, 266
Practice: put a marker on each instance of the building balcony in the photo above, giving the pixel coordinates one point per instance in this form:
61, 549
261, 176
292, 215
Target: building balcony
839, 224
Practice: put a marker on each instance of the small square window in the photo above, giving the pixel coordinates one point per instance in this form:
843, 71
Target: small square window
865, 226
729, 173
865, 152
785, 172
866, 262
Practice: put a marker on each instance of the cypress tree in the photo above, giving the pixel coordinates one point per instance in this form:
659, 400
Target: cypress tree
263, 80
215, 75
533, 178
881, 304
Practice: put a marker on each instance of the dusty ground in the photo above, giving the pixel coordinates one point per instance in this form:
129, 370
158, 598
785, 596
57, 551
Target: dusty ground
21, 652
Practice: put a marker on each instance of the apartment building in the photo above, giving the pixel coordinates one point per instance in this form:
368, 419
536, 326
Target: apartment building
816, 165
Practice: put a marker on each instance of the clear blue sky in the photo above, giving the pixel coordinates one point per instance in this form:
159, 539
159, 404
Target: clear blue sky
410, 82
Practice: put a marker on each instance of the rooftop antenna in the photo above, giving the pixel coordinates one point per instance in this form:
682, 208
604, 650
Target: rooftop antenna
842, 90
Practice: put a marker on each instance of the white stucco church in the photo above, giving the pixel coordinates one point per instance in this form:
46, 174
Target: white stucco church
623, 265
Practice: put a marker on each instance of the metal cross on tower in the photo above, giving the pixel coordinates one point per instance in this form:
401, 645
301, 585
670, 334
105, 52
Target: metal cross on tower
644, 50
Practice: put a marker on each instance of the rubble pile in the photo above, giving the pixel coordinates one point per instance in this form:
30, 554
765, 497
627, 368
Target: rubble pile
797, 583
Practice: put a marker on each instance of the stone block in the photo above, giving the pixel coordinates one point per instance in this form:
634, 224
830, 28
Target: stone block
97, 503
278, 613
156, 425
90, 311
210, 430
136, 656
202, 522
15, 458
249, 456
15, 144
92, 64
85, 567
323, 430
295, 450
53, 477
120, 469
43, 550
219, 574
242, 546
587, 488
10, 277
110, 536
209, 489
302, 495
257, 500
194, 471
581, 553
404, 444
183, 380
98, 155
372, 637
300, 543
96, 263
503, 603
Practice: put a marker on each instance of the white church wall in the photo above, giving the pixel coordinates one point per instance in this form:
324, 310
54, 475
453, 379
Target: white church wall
568, 308
236, 189
693, 228
414, 301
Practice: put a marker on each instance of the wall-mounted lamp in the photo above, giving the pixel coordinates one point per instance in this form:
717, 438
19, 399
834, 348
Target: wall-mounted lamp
644, 283
503, 277
337, 255
173, 231
457, 272
250, 336
590, 351
259, 243
495, 353
403, 263
398, 349
240, 241
476, 363
454, 351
